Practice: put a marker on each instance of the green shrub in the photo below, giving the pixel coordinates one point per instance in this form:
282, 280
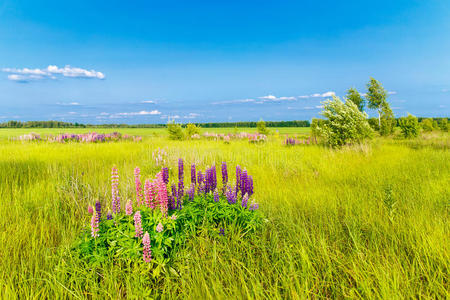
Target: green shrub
427, 124
373, 122
191, 129
443, 124
261, 126
175, 131
409, 126
346, 124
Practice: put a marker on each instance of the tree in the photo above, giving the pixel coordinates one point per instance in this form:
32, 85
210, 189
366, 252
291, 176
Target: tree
262, 129
443, 124
346, 123
409, 126
175, 131
354, 96
376, 97
191, 129
387, 119
427, 124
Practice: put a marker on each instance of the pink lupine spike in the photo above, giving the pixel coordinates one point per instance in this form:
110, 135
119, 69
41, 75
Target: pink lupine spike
129, 208
138, 224
138, 185
94, 225
162, 194
147, 253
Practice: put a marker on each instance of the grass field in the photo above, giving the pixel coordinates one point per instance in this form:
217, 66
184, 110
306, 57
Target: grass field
328, 232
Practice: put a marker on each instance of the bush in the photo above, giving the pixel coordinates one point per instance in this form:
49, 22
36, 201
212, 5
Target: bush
191, 129
175, 131
427, 124
409, 126
443, 124
346, 124
373, 122
261, 126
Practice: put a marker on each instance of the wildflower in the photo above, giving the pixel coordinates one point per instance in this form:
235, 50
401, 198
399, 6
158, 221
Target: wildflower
162, 194
98, 209
191, 192
243, 183
115, 190
193, 178
249, 186
149, 194
94, 225
109, 215
173, 217
159, 227
165, 173
245, 200
129, 208
90, 210
199, 177
216, 196
138, 224
238, 177
147, 253
214, 177
224, 174
231, 195
138, 185
180, 178
254, 206
173, 197
222, 232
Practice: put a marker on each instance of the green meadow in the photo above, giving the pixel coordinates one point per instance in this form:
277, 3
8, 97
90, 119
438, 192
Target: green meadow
366, 221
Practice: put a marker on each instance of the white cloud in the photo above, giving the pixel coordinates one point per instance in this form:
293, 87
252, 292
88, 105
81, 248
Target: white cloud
68, 104
192, 116
27, 74
319, 106
328, 94
234, 101
274, 98
392, 93
269, 97
139, 113
148, 101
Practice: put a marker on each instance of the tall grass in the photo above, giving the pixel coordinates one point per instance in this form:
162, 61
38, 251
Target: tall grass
328, 233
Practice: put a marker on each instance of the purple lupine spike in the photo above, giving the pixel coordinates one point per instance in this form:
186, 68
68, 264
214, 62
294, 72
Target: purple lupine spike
216, 196
199, 177
115, 190
245, 200
98, 209
193, 177
180, 170
253, 206
213, 178
109, 215
243, 183
165, 175
173, 197
224, 174
238, 177
207, 180
191, 192
230, 194
249, 188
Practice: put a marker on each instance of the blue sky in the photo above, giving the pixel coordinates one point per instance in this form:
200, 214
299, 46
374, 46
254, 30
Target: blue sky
206, 61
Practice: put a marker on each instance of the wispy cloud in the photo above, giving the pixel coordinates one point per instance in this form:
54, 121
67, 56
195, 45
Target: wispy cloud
149, 101
234, 101
68, 104
51, 72
392, 92
274, 98
191, 116
139, 113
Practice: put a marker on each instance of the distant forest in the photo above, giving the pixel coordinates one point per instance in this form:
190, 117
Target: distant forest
58, 124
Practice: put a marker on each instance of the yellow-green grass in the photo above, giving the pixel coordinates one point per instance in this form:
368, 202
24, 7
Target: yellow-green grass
328, 233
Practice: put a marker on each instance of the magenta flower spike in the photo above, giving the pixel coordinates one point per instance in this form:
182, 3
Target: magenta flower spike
94, 225
147, 253
159, 227
138, 185
115, 190
162, 194
138, 224
129, 208
90, 210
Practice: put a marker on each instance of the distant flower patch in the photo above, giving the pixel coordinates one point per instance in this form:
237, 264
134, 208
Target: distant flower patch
162, 215
91, 137
289, 141
227, 137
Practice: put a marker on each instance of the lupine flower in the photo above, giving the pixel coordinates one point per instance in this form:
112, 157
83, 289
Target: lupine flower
199, 177
109, 215
138, 224
214, 177
129, 208
90, 210
238, 177
115, 190
245, 200
249, 189
165, 173
159, 227
222, 231
149, 190
243, 183
180, 178
193, 177
254, 206
173, 217
231, 195
216, 196
162, 194
138, 185
98, 209
224, 174
147, 253
191, 192
94, 225
173, 197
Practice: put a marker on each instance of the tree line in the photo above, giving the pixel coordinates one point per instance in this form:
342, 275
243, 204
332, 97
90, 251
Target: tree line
59, 124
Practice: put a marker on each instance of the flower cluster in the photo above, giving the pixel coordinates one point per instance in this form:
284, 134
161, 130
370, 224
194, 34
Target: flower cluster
160, 157
115, 190
92, 137
138, 185
289, 141
252, 137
